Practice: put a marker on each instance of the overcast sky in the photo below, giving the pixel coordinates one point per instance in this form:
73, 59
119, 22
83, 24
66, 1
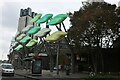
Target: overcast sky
9, 15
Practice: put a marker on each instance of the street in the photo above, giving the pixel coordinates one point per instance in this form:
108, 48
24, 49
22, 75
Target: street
16, 77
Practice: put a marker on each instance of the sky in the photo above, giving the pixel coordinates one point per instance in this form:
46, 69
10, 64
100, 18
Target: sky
10, 11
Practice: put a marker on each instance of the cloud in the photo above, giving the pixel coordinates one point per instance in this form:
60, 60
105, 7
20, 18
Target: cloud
10, 14
43, 1
6, 35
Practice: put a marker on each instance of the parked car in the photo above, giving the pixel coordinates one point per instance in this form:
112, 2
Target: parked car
6, 69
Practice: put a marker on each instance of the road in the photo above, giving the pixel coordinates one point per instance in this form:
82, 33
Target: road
16, 77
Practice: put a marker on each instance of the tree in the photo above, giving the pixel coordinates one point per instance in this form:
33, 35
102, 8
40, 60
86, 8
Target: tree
95, 26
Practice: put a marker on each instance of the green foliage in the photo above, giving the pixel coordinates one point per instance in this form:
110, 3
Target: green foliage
92, 23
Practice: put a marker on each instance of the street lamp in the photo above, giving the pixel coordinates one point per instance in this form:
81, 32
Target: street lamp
56, 36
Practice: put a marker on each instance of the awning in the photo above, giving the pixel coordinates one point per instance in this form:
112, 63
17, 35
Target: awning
44, 19
20, 36
43, 32
34, 30
55, 36
32, 43
24, 30
18, 47
25, 40
57, 19
36, 18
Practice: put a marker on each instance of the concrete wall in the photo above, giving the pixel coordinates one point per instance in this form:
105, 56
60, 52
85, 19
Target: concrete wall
23, 22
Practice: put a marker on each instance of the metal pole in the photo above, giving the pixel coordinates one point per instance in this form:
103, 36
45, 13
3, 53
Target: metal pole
64, 27
57, 63
47, 48
51, 56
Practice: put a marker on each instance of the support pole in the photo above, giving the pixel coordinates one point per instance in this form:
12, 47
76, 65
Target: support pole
64, 27
51, 56
49, 52
57, 61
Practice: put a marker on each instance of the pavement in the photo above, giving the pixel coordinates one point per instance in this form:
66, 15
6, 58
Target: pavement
46, 74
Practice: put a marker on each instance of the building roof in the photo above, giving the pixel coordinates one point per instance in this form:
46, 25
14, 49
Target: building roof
91, 1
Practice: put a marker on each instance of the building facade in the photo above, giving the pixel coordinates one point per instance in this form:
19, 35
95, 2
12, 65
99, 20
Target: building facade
91, 1
25, 16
